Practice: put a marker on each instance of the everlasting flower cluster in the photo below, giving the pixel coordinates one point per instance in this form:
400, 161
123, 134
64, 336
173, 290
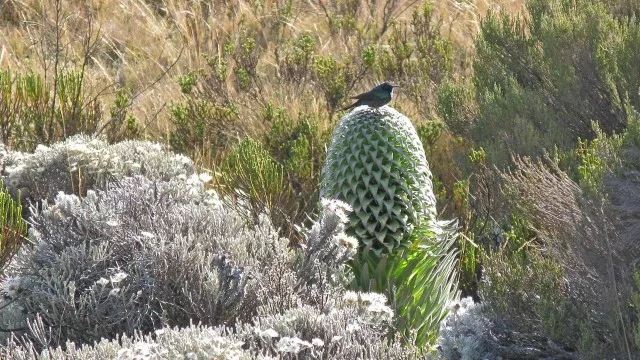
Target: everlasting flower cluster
463, 332
92, 162
133, 258
373, 303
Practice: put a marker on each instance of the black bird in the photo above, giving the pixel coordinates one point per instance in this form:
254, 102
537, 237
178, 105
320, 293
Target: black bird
375, 98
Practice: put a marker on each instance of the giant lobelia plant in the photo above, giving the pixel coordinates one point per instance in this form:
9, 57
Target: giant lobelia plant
376, 164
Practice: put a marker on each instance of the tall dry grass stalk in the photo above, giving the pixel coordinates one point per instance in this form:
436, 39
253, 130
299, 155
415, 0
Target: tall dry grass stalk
145, 45
577, 233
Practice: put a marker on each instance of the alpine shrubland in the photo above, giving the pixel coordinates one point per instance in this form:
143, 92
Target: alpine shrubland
165, 172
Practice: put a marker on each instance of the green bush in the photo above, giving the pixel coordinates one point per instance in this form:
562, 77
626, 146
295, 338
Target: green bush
539, 83
13, 229
37, 110
259, 182
527, 290
417, 57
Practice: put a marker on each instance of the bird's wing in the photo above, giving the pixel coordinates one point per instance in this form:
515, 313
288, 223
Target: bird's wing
362, 96
370, 94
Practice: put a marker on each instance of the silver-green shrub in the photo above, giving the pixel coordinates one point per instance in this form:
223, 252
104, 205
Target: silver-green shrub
463, 333
82, 162
130, 263
141, 255
193, 342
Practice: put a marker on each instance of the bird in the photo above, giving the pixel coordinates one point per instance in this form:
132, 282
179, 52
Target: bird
375, 98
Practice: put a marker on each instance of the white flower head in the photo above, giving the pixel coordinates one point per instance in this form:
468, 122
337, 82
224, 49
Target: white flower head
317, 342
267, 333
11, 286
337, 207
147, 234
102, 281
346, 241
292, 345
380, 309
205, 177
353, 327
114, 292
351, 297
118, 277
372, 298
194, 180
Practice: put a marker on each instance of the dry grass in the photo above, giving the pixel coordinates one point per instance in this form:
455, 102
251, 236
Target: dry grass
146, 46
578, 233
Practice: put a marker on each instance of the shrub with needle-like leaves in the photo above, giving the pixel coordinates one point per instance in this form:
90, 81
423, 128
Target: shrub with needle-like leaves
13, 229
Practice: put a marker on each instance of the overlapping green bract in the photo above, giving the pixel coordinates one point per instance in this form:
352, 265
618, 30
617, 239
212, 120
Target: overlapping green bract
376, 164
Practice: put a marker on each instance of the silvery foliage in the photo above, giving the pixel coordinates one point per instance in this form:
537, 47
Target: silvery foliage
152, 257
193, 342
82, 162
463, 332
139, 256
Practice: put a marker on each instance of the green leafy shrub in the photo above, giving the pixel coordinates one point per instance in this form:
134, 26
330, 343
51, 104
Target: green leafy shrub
296, 144
202, 129
13, 229
298, 58
417, 57
540, 83
453, 101
37, 111
259, 182
122, 125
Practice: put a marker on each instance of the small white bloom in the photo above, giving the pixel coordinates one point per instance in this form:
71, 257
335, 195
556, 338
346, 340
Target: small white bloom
194, 180
124, 353
118, 277
292, 345
337, 207
114, 292
378, 308
336, 338
317, 342
147, 234
205, 177
334, 204
159, 332
267, 333
11, 286
353, 327
102, 281
345, 240
372, 298
350, 297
